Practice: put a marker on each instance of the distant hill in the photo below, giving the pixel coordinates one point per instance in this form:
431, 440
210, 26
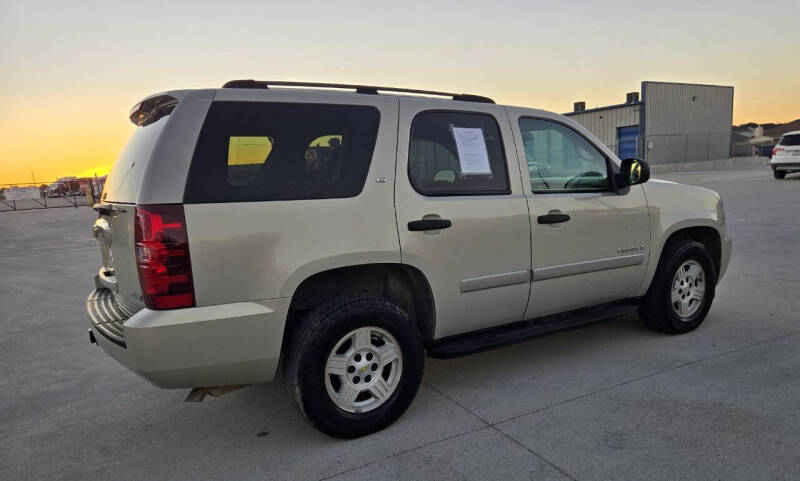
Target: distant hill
781, 129
773, 130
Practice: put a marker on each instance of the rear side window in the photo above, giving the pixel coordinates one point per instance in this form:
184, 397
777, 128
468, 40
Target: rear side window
456, 153
790, 140
259, 151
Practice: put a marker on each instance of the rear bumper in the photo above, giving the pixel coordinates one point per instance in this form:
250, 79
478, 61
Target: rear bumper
793, 164
221, 345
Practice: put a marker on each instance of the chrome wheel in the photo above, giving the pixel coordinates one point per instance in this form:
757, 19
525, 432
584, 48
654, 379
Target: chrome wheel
363, 369
688, 289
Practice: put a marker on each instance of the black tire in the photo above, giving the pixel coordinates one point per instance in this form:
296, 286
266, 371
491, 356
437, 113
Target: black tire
656, 309
779, 174
316, 337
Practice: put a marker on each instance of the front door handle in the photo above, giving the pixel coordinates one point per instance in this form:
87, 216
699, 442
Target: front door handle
552, 218
428, 224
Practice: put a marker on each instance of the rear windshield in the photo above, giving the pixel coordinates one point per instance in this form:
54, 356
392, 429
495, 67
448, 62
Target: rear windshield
258, 151
790, 140
122, 183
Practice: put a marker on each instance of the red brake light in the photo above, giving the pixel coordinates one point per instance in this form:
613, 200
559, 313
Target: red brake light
777, 149
162, 257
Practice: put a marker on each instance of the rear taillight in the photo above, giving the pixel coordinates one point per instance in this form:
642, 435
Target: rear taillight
775, 150
162, 257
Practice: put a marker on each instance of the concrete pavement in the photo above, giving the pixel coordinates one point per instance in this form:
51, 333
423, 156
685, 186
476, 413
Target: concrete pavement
610, 401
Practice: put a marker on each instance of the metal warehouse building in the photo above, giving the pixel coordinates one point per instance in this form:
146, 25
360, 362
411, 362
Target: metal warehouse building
672, 123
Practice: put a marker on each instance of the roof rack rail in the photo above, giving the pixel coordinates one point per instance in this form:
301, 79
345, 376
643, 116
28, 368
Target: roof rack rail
361, 89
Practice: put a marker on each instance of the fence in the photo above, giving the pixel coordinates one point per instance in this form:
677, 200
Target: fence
69, 192
684, 148
676, 148
746, 149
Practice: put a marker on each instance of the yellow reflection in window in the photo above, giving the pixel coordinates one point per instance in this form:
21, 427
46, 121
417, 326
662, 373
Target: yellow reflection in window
248, 150
325, 141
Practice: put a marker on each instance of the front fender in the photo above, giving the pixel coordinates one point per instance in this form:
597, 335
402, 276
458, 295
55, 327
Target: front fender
674, 207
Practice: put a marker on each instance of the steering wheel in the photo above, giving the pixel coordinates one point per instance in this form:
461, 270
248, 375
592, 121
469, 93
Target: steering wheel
575, 181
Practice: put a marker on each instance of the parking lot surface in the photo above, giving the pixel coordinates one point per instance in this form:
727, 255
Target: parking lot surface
610, 401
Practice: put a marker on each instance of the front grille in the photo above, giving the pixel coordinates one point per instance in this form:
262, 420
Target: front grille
106, 316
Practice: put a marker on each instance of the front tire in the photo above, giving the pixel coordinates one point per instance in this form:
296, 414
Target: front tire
682, 289
779, 174
354, 365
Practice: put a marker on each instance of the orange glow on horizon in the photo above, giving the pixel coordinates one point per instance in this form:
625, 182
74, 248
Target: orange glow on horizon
39, 141
95, 171
36, 139
72, 71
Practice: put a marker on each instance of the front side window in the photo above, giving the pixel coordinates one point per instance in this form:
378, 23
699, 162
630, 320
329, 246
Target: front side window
456, 153
258, 151
560, 159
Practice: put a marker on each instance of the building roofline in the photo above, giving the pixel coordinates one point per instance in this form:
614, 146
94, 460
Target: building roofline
609, 107
683, 83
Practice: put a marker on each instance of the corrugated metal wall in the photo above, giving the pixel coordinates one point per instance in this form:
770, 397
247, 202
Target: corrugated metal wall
686, 122
604, 122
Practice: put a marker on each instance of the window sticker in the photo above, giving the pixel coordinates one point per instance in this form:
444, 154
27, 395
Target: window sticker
472, 153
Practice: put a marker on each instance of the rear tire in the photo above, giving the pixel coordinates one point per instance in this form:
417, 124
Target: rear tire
779, 174
354, 365
678, 302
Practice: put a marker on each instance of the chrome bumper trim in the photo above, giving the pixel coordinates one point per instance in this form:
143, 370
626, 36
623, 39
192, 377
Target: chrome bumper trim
107, 318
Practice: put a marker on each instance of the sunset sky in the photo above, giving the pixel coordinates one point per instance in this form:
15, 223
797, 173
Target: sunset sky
70, 71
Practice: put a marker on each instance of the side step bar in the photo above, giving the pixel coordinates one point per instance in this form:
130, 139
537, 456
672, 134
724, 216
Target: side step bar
493, 337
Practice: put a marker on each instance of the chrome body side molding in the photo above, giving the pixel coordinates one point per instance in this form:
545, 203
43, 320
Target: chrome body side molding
494, 280
587, 266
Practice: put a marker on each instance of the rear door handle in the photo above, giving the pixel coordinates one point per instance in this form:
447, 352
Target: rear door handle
552, 218
428, 224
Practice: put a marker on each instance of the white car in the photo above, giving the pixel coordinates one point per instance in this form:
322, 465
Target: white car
343, 232
786, 155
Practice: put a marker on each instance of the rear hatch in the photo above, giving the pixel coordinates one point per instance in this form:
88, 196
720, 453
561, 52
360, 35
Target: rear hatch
788, 148
114, 227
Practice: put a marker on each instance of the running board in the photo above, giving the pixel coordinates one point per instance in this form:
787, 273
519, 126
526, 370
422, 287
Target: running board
490, 338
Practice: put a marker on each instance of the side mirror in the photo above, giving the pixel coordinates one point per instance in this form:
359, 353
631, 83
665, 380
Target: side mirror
633, 171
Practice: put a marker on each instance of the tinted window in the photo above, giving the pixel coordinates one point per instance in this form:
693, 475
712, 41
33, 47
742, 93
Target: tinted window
560, 159
455, 153
122, 184
790, 140
255, 151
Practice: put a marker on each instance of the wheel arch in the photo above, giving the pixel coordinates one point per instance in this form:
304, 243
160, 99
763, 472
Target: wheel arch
707, 235
702, 231
402, 284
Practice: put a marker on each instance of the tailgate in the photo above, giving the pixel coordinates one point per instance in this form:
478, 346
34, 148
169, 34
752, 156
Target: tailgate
114, 230
114, 227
